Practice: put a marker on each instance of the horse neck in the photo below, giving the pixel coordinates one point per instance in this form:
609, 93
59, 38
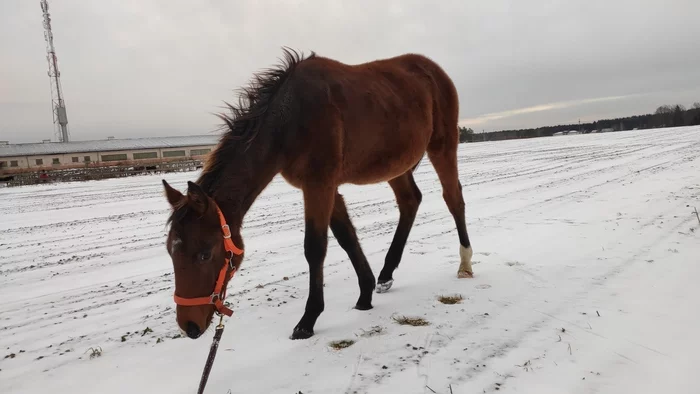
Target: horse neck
239, 183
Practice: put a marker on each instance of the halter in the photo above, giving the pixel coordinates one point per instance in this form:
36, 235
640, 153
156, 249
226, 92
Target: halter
228, 270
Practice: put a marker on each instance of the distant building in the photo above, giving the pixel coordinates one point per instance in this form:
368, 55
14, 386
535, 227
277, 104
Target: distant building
567, 132
33, 157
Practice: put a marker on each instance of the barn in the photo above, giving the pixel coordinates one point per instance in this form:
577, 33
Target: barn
47, 155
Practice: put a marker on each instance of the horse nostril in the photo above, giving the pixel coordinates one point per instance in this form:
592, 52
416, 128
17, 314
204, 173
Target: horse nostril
192, 330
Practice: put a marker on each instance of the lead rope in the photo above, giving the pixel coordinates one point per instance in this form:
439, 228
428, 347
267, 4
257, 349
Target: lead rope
212, 355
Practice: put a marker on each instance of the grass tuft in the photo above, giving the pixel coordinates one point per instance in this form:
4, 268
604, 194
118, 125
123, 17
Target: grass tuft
411, 321
342, 344
451, 300
375, 330
94, 352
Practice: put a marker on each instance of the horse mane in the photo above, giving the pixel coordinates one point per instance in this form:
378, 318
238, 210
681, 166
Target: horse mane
243, 122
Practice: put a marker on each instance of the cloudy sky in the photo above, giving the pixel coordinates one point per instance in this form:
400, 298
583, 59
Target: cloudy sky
155, 67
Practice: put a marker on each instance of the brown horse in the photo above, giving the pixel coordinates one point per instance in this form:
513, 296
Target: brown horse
320, 124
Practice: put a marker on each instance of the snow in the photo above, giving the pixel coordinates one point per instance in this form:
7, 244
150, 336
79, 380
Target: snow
586, 255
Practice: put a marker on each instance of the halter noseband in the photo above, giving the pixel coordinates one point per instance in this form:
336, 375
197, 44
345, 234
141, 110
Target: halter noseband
217, 297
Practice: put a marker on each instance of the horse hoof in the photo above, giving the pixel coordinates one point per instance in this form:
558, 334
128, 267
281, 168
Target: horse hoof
464, 274
384, 287
363, 307
301, 333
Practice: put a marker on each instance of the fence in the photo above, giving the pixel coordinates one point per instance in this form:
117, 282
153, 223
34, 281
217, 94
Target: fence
90, 173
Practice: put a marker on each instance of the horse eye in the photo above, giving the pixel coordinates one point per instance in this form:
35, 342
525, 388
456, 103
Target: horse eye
204, 256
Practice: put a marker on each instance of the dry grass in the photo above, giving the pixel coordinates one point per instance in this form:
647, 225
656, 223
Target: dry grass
451, 300
94, 352
411, 321
342, 344
375, 330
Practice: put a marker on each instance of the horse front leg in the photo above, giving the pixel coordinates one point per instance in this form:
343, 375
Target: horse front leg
318, 207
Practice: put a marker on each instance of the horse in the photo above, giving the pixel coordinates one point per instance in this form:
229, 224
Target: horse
319, 123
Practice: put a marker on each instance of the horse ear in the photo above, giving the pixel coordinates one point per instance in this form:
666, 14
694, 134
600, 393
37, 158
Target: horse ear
174, 196
197, 197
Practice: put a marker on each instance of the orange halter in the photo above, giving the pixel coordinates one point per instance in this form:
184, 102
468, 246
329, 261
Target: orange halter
217, 297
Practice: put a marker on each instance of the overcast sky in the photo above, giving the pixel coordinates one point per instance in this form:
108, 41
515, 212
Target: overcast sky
154, 67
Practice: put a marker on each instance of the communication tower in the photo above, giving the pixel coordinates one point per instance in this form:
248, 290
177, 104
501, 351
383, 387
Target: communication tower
58, 106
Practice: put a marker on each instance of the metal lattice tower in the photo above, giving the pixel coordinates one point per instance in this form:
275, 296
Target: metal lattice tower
58, 106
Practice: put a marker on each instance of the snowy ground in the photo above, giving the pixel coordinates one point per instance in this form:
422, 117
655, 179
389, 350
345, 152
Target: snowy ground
587, 258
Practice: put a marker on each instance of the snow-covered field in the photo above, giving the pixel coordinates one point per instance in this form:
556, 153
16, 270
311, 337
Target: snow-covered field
587, 262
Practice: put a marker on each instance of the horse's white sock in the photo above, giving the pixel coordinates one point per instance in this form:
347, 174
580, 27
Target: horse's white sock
465, 265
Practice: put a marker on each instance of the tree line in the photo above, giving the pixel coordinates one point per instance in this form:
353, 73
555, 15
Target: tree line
664, 116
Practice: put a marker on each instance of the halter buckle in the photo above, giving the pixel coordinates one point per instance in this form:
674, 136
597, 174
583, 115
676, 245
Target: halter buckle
227, 231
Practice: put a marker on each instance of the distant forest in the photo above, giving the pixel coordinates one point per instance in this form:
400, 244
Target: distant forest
664, 116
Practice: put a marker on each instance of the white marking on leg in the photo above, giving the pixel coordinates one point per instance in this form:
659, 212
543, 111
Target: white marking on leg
465, 265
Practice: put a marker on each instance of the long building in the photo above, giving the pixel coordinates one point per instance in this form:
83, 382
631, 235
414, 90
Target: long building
33, 157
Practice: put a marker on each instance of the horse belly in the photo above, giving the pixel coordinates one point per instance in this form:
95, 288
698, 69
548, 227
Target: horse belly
382, 165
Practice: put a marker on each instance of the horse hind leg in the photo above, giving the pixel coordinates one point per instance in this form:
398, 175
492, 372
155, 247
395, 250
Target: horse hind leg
345, 234
408, 198
445, 163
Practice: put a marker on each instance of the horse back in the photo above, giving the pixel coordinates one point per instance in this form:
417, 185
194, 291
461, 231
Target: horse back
375, 119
